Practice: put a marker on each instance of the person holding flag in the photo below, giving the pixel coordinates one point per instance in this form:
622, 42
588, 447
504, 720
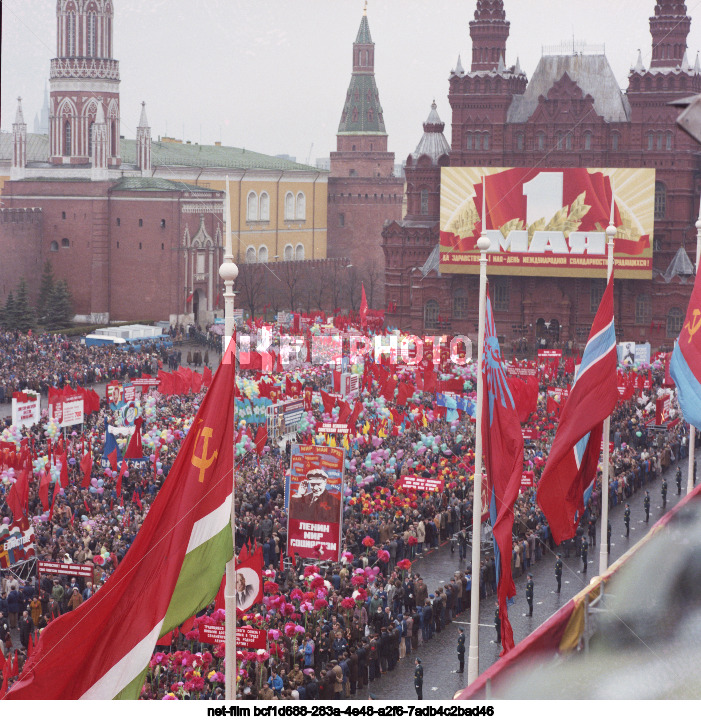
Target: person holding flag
574, 456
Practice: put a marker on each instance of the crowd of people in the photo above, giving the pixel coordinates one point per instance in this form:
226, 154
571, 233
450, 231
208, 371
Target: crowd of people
333, 628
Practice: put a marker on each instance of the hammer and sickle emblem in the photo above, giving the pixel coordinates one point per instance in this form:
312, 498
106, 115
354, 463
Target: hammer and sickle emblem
694, 325
202, 462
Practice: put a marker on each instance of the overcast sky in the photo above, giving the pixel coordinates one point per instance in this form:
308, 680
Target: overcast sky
271, 75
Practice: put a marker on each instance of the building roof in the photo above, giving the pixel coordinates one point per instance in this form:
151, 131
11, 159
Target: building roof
681, 266
592, 73
169, 154
363, 37
433, 142
432, 262
362, 97
156, 184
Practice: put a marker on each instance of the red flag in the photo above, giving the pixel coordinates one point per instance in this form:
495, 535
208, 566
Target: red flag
220, 600
135, 498
63, 478
196, 383
44, 488
206, 377
134, 449
121, 475
190, 297
503, 454
328, 401
86, 467
112, 457
87, 507
363, 306
18, 496
574, 454
261, 438
357, 409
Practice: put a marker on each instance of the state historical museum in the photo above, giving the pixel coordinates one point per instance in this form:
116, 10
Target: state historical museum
570, 114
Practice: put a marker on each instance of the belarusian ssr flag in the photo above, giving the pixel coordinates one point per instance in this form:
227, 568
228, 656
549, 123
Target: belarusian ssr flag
172, 570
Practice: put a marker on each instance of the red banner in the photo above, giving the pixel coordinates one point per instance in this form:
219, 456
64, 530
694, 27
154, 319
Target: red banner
553, 353
314, 519
333, 428
214, 634
416, 483
65, 569
527, 479
662, 408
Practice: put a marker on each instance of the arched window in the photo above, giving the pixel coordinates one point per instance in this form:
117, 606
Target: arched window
431, 311
675, 320
250, 254
642, 310
519, 141
485, 141
460, 303
67, 138
288, 252
70, 34
424, 202
568, 141
92, 39
615, 139
669, 141
558, 140
289, 206
540, 141
587, 141
478, 141
650, 141
113, 139
252, 206
263, 254
301, 213
299, 252
468, 141
65, 243
54, 246
264, 206
660, 201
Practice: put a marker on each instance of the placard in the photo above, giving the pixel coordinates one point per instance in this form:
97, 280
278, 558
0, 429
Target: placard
65, 569
26, 408
416, 483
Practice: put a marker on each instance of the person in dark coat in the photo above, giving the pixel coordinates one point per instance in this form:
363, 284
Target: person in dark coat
646, 506
461, 650
26, 627
529, 593
626, 519
497, 622
584, 553
419, 679
558, 572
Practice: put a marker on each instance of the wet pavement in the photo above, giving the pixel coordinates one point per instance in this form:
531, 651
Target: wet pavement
439, 655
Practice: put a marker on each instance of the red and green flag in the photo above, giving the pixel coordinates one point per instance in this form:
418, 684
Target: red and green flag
172, 570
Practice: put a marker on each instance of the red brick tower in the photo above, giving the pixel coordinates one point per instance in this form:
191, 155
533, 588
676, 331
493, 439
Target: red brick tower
669, 28
489, 31
363, 192
83, 75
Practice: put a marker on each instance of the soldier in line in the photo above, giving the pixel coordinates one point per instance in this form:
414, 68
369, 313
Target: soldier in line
585, 549
558, 571
419, 679
678, 479
664, 493
626, 518
646, 506
529, 594
461, 650
497, 622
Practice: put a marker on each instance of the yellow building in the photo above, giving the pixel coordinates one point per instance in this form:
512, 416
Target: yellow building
278, 207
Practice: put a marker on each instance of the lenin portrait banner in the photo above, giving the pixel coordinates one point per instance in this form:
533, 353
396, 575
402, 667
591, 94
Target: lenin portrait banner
315, 514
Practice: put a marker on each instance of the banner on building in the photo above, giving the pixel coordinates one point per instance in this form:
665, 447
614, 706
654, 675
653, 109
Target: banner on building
416, 483
315, 515
26, 408
547, 221
16, 545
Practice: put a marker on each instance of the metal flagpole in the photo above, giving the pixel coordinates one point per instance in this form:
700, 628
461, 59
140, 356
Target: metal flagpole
229, 272
603, 545
692, 429
473, 658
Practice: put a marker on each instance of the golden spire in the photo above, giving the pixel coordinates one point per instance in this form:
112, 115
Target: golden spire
365, 9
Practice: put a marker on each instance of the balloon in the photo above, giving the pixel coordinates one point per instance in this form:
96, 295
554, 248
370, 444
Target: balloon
6, 520
94, 482
100, 483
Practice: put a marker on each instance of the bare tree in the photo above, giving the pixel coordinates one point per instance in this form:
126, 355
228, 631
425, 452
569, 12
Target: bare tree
250, 285
372, 276
290, 273
352, 284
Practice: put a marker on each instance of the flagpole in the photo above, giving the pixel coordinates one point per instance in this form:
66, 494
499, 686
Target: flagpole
473, 658
228, 273
606, 435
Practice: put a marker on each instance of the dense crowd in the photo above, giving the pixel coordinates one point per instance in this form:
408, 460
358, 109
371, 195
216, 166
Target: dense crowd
333, 628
